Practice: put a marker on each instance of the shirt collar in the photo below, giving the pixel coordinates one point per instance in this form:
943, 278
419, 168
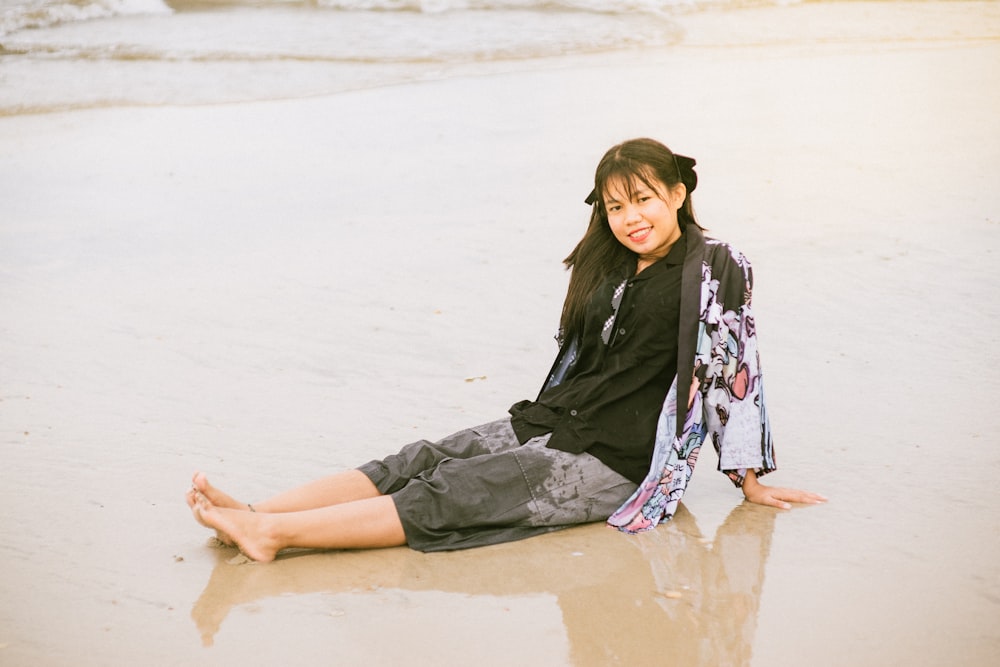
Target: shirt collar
676, 255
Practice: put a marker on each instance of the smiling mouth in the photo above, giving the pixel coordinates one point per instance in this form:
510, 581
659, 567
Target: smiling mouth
640, 235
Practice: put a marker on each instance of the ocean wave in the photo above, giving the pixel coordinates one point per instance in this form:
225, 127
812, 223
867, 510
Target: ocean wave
16, 15
433, 6
359, 37
438, 6
54, 56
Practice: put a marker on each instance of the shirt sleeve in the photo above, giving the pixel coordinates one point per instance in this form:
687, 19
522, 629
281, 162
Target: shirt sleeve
735, 410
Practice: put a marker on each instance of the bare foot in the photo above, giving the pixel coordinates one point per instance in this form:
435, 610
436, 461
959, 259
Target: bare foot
246, 529
192, 500
214, 495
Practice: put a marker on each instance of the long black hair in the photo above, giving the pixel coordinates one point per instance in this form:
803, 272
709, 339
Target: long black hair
598, 253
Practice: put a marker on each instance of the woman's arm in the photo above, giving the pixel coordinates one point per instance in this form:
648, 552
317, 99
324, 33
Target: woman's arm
776, 496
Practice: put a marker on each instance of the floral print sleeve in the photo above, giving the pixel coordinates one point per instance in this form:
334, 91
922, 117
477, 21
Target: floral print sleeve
735, 411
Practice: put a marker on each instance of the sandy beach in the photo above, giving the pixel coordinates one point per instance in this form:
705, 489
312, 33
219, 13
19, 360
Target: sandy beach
274, 290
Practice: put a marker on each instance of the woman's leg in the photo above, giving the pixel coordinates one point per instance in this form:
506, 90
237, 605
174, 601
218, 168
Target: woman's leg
394, 472
332, 490
335, 489
361, 524
213, 507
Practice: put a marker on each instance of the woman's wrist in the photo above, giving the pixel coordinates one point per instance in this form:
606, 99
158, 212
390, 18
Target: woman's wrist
750, 483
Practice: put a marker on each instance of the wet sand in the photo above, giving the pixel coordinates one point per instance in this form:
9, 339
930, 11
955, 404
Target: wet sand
272, 291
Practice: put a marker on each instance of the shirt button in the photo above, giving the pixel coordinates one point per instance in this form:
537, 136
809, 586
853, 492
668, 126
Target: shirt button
573, 412
621, 332
630, 284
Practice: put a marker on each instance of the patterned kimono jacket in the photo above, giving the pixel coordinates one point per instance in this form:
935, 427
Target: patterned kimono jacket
718, 383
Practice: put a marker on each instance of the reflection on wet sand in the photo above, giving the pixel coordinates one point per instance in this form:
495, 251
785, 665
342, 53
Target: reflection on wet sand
669, 595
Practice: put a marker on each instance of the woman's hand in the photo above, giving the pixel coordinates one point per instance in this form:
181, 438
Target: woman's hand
776, 496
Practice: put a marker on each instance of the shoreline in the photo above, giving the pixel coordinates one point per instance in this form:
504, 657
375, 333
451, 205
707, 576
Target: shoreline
879, 25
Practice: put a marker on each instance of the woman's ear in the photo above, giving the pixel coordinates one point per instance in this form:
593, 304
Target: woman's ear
678, 193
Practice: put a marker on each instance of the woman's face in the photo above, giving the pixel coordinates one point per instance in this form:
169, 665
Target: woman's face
645, 222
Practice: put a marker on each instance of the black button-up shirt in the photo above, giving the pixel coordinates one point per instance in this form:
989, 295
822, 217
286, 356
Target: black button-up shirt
609, 407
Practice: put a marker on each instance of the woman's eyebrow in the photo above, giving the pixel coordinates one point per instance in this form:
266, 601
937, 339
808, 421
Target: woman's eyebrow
638, 191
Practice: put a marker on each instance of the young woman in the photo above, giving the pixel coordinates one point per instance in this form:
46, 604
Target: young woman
657, 317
